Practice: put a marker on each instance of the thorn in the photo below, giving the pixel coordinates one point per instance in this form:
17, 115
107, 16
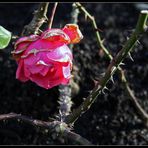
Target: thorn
98, 29
130, 57
127, 37
138, 42
90, 91
60, 112
40, 31
103, 40
86, 17
121, 63
84, 99
103, 91
102, 74
106, 88
112, 79
96, 82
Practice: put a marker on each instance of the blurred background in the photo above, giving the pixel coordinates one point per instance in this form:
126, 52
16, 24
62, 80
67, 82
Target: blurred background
112, 119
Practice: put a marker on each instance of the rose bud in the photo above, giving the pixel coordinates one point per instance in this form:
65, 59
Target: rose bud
46, 59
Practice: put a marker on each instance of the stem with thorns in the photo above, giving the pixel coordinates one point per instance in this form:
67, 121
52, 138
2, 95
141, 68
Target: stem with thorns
113, 66
142, 114
54, 126
52, 15
37, 21
80, 7
65, 91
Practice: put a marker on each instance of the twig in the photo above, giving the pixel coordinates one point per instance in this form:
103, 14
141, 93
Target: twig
28, 120
52, 15
54, 126
113, 66
37, 21
80, 7
142, 114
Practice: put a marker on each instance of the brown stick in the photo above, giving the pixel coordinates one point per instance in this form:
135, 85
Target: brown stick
52, 15
54, 126
141, 112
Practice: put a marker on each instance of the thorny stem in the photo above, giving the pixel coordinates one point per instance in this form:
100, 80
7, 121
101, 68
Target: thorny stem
74, 18
65, 91
113, 66
80, 7
37, 21
142, 114
52, 15
64, 101
53, 126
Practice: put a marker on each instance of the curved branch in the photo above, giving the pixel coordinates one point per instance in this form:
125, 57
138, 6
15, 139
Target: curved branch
142, 114
54, 126
115, 63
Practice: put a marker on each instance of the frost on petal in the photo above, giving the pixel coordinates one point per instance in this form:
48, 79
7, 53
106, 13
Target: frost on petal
66, 71
22, 44
61, 54
55, 36
30, 38
72, 30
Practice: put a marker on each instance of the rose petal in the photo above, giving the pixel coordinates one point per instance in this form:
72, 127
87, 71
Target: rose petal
22, 44
53, 78
72, 30
55, 36
61, 54
30, 38
20, 72
48, 81
66, 71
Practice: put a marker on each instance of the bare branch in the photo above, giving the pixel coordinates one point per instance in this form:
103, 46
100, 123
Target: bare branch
142, 114
37, 21
52, 15
115, 63
54, 126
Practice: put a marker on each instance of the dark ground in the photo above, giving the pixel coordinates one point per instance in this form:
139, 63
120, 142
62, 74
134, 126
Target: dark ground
112, 119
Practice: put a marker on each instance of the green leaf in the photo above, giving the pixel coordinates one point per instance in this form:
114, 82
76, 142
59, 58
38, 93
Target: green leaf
5, 37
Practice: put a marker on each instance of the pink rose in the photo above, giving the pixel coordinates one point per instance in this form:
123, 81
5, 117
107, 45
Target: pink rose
46, 59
